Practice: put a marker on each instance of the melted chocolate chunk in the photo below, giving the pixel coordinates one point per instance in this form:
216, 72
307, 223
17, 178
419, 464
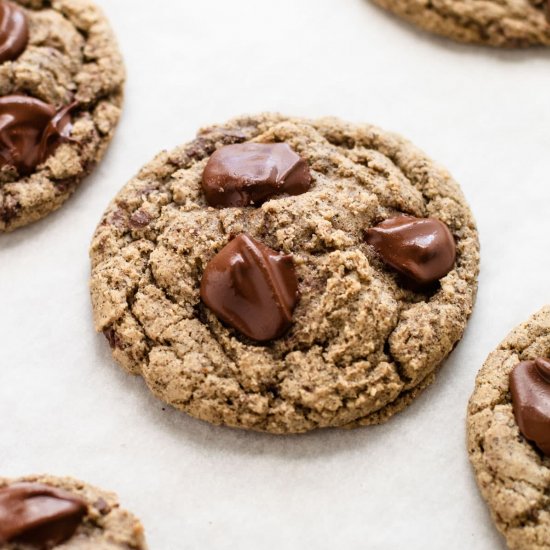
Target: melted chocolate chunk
252, 288
530, 388
37, 514
247, 174
421, 249
14, 31
30, 131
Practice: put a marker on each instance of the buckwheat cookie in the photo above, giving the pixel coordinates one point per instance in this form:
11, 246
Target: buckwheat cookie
509, 434
43, 512
61, 84
503, 23
282, 274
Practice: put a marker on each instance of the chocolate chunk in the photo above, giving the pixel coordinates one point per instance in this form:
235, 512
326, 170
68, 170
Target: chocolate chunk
247, 174
8, 208
530, 388
252, 288
14, 31
140, 219
112, 338
543, 368
37, 514
199, 149
30, 131
421, 249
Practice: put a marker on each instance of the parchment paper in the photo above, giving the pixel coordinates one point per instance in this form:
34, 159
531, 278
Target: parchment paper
66, 408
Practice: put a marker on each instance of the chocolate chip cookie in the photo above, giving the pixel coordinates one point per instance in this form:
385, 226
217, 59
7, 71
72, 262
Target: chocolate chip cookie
282, 274
501, 23
42, 512
509, 434
61, 84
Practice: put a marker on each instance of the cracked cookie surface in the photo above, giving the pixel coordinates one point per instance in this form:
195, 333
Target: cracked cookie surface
513, 476
361, 346
72, 56
105, 525
501, 23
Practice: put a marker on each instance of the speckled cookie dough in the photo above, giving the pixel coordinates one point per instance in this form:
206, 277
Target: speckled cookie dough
94, 521
361, 345
513, 476
501, 23
71, 56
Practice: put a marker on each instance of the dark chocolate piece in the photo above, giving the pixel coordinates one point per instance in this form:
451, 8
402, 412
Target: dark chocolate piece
247, 174
14, 31
30, 131
530, 388
37, 514
421, 249
252, 288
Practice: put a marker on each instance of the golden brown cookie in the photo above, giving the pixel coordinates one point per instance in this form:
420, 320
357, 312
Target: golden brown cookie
501, 23
286, 312
512, 471
52, 512
61, 85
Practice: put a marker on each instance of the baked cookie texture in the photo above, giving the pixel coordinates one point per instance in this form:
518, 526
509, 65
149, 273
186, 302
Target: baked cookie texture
362, 345
106, 526
513, 476
72, 55
501, 23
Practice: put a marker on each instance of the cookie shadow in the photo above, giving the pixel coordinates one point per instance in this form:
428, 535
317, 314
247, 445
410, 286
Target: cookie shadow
47, 226
505, 55
29, 233
222, 439
190, 432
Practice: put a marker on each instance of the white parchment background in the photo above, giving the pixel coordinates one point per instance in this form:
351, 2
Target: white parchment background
65, 408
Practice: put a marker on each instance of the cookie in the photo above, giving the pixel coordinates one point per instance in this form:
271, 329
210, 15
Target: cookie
509, 434
61, 86
501, 23
39, 512
282, 274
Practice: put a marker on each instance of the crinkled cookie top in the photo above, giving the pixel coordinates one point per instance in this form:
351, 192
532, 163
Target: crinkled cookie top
513, 476
71, 57
52, 503
362, 343
504, 23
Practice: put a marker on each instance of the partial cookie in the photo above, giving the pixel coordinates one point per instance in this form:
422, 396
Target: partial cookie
502, 23
39, 512
61, 86
265, 276
509, 434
